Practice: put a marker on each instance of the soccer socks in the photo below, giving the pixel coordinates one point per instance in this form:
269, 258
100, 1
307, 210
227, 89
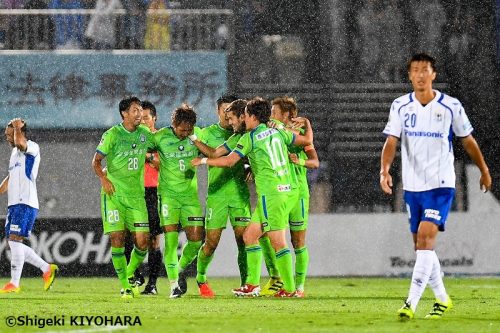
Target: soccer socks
436, 280
170, 256
202, 266
254, 262
301, 264
154, 262
285, 266
269, 256
421, 273
34, 259
136, 258
242, 263
120, 265
189, 253
16, 261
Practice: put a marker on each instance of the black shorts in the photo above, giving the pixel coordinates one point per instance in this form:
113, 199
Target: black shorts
152, 205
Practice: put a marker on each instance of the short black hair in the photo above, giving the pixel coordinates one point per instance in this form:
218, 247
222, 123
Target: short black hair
226, 99
24, 129
150, 106
260, 108
422, 57
126, 103
184, 113
237, 106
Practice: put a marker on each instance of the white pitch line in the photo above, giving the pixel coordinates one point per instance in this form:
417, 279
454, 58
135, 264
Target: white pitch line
91, 330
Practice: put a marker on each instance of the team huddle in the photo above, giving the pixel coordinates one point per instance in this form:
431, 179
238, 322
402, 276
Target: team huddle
269, 137
149, 187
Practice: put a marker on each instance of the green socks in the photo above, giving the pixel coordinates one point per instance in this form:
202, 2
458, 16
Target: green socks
120, 265
242, 263
301, 264
254, 261
189, 253
285, 267
170, 257
269, 256
136, 258
202, 266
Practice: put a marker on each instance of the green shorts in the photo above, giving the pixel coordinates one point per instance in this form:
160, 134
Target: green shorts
272, 211
299, 215
184, 210
220, 208
124, 213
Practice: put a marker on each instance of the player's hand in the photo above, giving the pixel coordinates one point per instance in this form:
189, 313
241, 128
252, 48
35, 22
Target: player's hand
293, 158
196, 161
107, 186
299, 122
386, 183
485, 182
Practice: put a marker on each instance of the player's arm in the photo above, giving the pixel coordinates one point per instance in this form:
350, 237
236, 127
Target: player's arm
305, 139
207, 150
107, 185
19, 138
472, 148
312, 161
388, 154
222, 162
4, 185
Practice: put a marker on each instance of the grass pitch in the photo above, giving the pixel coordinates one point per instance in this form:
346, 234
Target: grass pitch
331, 305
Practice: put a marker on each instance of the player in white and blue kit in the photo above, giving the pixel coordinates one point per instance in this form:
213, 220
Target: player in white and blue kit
425, 121
22, 205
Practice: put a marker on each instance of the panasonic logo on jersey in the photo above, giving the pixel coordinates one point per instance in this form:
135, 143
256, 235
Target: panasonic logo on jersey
424, 134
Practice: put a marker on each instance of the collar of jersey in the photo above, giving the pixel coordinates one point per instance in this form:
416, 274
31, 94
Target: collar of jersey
436, 98
126, 130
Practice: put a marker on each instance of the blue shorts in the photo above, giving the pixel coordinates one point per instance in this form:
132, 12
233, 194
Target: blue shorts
20, 220
431, 206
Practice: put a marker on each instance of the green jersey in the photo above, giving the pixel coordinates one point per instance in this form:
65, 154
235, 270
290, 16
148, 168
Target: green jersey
225, 182
125, 157
267, 152
177, 175
300, 171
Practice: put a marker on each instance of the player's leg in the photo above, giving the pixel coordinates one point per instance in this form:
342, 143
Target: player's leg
205, 256
154, 255
299, 217
254, 259
192, 222
114, 226
216, 214
279, 212
239, 216
136, 221
441, 204
169, 211
154, 263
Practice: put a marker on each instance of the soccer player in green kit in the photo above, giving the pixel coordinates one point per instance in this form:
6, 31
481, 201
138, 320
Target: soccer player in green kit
283, 110
228, 195
178, 195
267, 151
124, 146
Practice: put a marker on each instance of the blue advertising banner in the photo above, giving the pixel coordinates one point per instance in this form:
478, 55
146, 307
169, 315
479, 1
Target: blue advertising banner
52, 90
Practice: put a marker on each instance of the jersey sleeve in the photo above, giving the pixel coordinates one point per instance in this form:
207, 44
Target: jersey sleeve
231, 142
461, 125
32, 148
106, 143
393, 126
244, 145
288, 137
203, 136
